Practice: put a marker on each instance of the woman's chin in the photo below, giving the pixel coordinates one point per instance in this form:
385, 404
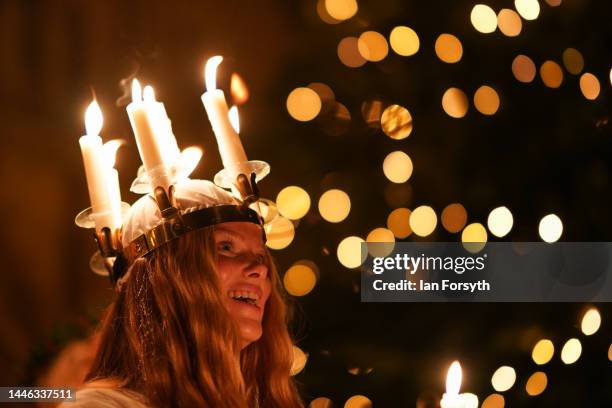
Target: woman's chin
250, 331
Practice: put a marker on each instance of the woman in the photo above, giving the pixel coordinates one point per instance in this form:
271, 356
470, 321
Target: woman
198, 322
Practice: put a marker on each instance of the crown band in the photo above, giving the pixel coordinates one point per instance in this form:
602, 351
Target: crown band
178, 225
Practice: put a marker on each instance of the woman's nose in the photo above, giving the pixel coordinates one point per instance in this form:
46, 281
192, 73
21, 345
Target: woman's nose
256, 268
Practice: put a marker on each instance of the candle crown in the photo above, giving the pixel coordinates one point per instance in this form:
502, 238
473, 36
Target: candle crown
173, 204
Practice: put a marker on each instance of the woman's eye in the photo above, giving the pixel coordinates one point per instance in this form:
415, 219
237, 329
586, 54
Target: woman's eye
225, 246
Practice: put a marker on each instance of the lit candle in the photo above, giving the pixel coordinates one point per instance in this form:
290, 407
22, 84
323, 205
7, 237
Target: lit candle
167, 141
98, 172
452, 399
112, 184
148, 130
230, 148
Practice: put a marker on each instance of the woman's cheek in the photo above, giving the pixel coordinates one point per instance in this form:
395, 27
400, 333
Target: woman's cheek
225, 267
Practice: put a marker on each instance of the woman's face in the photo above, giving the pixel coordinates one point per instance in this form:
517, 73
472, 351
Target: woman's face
243, 275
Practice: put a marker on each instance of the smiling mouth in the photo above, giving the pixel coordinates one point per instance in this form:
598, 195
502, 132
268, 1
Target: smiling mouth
245, 296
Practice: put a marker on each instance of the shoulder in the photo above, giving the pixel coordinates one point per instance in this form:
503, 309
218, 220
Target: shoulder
105, 397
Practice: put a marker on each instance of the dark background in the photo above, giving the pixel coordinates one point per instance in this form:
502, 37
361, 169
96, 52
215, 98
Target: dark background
546, 150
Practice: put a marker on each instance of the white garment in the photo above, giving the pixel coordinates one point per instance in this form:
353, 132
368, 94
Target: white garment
190, 195
106, 398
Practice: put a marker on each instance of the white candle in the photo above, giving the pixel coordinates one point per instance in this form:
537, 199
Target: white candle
452, 399
148, 132
98, 172
167, 141
230, 148
112, 182
114, 195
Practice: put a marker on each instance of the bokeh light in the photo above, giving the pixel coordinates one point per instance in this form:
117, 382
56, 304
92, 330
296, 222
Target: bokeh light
591, 321
454, 217
423, 220
483, 18
550, 228
360, 370
494, 401
385, 242
303, 104
321, 402
404, 41
536, 384
371, 111
475, 232
268, 209
455, 103
509, 22
500, 221
324, 14
570, 353
326, 94
341, 9
349, 252
503, 378
573, 61
293, 202
396, 122
469, 400
348, 52
610, 352
336, 121
372, 46
543, 352
299, 360
553, 3
551, 74
589, 86
397, 166
358, 401
486, 100
528, 9
448, 48
523, 69
334, 205
279, 233
398, 222
474, 237
300, 279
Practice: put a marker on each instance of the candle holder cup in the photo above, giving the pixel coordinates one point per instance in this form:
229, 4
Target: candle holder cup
169, 174
109, 241
243, 177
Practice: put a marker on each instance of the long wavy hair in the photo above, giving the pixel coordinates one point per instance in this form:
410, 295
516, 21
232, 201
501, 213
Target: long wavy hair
168, 335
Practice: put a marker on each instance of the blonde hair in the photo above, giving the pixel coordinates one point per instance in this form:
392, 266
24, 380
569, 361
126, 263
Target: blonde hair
168, 335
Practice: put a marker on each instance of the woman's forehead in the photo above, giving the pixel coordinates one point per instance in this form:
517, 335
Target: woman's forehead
246, 231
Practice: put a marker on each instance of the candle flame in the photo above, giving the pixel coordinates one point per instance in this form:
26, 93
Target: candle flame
234, 119
210, 72
136, 91
148, 94
453, 379
110, 151
189, 159
238, 89
93, 119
